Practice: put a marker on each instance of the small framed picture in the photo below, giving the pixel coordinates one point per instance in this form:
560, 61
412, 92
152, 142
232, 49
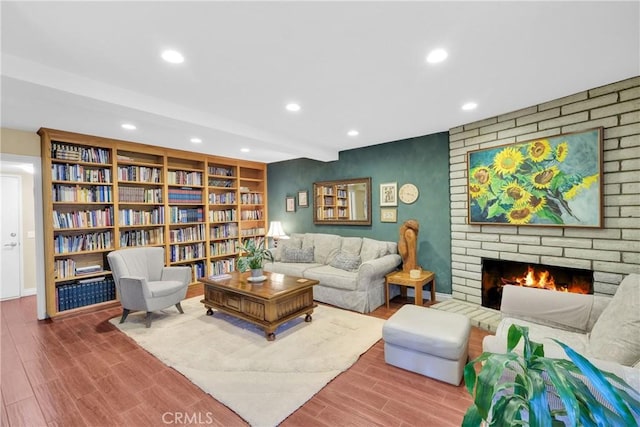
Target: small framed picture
388, 215
303, 199
290, 203
389, 194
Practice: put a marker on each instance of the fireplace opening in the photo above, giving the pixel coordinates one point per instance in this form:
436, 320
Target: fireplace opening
499, 273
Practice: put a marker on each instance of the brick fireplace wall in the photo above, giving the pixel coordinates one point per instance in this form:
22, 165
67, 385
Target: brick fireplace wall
611, 252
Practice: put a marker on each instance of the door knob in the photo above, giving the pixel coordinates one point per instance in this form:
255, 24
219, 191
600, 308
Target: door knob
12, 244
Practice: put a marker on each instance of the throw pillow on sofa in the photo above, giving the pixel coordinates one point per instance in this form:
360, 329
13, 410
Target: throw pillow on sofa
292, 243
346, 261
297, 255
615, 334
372, 249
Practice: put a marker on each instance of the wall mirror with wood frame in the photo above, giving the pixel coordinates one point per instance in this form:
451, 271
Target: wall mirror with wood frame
342, 202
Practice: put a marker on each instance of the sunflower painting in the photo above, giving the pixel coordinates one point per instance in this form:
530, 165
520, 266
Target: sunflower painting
553, 181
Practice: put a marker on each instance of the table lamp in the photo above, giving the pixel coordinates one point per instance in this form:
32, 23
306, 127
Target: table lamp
276, 232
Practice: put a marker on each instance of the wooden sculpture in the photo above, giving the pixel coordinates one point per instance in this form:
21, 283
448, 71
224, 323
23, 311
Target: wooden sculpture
407, 244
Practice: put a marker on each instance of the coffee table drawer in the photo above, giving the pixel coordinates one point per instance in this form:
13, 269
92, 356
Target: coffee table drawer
233, 301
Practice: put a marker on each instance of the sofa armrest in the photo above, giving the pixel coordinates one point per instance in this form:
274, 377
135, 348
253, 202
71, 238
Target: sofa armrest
373, 271
563, 310
180, 274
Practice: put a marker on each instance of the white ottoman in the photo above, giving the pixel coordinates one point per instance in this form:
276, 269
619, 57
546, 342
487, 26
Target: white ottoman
427, 341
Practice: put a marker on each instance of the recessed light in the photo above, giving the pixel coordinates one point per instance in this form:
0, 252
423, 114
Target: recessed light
293, 107
437, 55
469, 106
173, 56
196, 140
128, 126
245, 150
353, 132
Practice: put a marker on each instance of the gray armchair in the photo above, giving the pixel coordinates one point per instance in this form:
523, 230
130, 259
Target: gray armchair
144, 283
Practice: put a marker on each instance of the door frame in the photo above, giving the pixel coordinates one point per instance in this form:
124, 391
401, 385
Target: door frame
36, 162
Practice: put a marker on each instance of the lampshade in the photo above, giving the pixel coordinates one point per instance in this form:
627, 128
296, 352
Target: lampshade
276, 231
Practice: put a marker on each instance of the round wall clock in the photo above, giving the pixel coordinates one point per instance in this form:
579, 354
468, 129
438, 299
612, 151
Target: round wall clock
408, 193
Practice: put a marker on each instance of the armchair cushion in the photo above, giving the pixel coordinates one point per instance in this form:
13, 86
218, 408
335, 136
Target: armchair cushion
164, 288
615, 336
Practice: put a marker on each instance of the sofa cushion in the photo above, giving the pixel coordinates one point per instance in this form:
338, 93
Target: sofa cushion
332, 277
615, 334
351, 245
372, 249
562, 309
541, 334
346, 261
293, 243
297, 255
326, 246
295, 269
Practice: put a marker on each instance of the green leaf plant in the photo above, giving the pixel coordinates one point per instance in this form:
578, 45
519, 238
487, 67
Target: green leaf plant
517, 390
252, 255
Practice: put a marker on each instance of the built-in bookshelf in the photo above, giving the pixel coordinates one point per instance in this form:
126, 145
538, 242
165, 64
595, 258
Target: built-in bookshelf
103, 194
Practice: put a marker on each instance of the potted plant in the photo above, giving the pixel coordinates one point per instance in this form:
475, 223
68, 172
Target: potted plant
513, 389
253, 255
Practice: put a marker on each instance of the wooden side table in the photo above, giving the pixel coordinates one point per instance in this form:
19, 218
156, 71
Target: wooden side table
402, 279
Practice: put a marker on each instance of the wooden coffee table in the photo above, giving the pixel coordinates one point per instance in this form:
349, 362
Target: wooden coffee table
268, 304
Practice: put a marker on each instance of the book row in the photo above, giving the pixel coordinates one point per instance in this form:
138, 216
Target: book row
140, 174
141, 217
218, 170
79, 173
253, 231
222, 216
223, 231
131, 238
253, 214
222, 266
85, 292
226, 183
181, 215
251, 198
222, 198
83, 242
197, 270
184, 178
139, 195
225, 247
186, 252
185, 195
197, 232
83, 219
77, 193
79, 153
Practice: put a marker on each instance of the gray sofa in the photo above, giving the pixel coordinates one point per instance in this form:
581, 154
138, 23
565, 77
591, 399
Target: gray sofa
350, 270
605, 330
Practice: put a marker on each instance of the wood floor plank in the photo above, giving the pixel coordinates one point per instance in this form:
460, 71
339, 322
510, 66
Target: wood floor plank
25, 413
82, 371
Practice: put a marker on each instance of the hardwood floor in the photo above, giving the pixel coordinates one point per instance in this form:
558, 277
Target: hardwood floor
81, 371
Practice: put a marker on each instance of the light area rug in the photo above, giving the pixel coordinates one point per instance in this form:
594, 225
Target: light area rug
262, 381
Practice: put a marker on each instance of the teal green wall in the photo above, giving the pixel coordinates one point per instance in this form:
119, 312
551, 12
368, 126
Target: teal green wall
423, 161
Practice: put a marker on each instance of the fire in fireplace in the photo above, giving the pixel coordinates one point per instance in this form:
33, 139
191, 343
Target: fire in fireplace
499, 273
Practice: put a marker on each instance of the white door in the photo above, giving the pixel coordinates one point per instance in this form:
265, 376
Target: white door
10, 259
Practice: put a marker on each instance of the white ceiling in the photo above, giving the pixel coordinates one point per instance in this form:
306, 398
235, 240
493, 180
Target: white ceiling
90, 66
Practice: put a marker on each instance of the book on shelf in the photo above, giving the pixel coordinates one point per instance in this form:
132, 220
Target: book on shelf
92, 279
89, 269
